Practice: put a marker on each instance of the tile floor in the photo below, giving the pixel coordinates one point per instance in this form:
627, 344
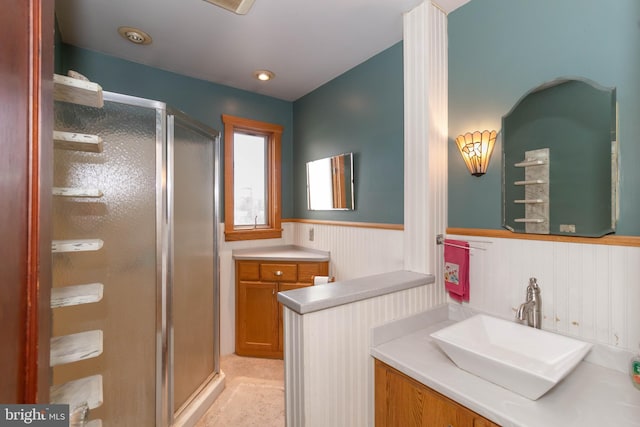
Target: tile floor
253, 394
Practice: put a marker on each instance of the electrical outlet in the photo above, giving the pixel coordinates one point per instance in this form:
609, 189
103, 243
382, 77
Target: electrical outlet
311, 234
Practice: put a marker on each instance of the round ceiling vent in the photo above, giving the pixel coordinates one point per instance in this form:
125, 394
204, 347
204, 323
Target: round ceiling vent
134, 35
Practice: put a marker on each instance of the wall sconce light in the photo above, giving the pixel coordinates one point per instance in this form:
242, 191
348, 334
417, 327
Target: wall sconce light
476, 149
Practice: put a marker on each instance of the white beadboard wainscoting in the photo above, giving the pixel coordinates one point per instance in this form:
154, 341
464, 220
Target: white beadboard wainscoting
329, 378
355, 251
588, 291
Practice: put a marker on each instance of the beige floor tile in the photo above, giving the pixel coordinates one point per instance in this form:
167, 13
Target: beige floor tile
253, 394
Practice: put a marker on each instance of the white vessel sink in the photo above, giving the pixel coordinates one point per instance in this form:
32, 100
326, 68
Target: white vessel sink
519, 358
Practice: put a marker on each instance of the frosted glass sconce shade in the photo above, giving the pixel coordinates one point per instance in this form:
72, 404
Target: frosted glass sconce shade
476, 149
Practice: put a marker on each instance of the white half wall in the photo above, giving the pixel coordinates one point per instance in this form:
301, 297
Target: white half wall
329, 375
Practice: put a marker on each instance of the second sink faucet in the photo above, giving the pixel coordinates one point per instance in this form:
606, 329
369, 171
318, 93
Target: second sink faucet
531, 308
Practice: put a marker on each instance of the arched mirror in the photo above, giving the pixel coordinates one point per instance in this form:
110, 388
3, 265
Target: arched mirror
560, 160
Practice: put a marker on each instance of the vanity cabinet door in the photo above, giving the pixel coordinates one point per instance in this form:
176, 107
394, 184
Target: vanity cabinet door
256, 319
401, 401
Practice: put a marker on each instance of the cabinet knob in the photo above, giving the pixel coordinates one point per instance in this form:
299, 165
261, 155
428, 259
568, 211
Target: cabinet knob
278, 273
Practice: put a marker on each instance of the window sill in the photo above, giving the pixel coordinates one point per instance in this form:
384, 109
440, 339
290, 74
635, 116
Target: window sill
253, 234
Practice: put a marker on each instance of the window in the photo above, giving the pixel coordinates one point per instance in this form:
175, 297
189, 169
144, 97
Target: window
251, 179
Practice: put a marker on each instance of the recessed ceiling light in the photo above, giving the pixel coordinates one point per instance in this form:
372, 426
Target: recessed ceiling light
264, 75
134, 35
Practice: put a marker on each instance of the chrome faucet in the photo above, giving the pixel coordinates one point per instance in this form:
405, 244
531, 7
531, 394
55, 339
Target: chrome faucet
531, 308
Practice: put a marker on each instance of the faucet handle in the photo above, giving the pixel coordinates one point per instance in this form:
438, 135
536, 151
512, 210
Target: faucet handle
532, 288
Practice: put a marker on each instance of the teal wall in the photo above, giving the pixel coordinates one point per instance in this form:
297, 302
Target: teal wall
499, 50
360, 111
201, 100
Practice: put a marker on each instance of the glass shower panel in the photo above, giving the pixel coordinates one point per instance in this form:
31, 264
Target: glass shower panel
194, 306
125, 219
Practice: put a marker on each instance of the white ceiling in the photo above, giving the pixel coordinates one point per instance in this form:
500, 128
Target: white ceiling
305, 43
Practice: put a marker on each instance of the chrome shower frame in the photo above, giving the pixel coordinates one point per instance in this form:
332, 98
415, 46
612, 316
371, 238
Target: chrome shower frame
165, 119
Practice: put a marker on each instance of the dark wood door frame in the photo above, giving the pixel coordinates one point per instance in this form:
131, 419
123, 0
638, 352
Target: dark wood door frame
26, 157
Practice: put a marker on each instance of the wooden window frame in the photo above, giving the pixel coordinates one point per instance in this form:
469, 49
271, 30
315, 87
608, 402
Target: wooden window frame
273, 136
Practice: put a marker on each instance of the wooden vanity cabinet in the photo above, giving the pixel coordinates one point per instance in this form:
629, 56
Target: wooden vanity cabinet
258, 312
401, 401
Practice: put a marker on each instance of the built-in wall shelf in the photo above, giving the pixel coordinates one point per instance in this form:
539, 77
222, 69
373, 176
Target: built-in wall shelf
526, 201
76, 245
74, 393
75, 295
536, 192
77, 91
530, 162
77, 141
77, 192
75, 347
530, 220
530, 182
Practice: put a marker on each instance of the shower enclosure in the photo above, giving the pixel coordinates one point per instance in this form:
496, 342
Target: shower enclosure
134, 228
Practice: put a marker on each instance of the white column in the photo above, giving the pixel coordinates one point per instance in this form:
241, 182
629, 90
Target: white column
425, 139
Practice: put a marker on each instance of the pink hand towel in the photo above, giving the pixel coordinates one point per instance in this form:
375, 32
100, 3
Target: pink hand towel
456, 269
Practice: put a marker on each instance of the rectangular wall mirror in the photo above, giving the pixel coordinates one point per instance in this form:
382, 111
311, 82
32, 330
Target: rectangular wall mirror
330, 183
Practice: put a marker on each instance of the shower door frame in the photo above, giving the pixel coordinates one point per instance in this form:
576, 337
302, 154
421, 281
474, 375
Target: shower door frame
165, 116
170, 115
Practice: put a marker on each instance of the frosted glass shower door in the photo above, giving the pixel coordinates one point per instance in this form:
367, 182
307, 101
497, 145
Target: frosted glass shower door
194, 282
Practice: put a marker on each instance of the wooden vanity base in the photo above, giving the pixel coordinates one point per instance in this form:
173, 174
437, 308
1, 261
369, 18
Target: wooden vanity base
401, 401
258, 312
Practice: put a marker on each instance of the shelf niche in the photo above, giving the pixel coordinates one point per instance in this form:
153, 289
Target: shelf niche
77, 192
77, 141
76, 245
76, 392
77, 91
75, 347
77, 294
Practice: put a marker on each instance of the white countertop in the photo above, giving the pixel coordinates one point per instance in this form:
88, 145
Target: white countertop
591, 396
281, 253
321, 297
